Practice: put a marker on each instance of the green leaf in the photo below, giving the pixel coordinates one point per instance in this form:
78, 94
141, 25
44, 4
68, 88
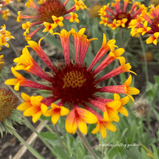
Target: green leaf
49, 135
60, 153
80, 153
119, 157
155, 152
156, 79
156, 113
69, 142
145, 154
88, 157
133, 153
122, 77
113, 151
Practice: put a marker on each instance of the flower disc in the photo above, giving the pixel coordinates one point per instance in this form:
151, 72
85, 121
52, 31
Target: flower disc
123, 15
74, 84
50, 8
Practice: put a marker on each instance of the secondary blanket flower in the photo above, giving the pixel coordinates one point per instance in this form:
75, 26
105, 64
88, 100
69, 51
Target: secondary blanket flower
117, 15
5, 13
50, 13
74, 86
5, 36
147, 23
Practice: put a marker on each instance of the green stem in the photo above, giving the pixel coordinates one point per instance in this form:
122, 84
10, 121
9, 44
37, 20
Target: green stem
13, 48
34, 130
123, 44
46, 125
30, 125
144, 55
86, 144
32, 76
47, 34
127, 42
15, 9
31, 149
61, 143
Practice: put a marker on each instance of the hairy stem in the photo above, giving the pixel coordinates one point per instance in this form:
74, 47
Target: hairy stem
86, 144
144, 55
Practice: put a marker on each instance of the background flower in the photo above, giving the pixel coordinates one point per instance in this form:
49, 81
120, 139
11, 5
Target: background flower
118, 15
49, 13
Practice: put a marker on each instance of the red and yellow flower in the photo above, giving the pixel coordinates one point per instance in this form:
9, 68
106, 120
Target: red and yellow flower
119, 16
74, 86
5, 13
149, 24
32, 106
5, 36
49, 15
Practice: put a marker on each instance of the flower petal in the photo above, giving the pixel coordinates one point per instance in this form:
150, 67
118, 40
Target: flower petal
55, 118
82, 126
36, 116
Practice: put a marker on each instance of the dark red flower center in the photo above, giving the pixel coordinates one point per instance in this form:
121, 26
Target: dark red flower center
123, 15
50, 8
74, 84
155, 25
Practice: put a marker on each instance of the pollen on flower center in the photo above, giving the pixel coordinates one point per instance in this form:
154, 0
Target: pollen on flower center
73, 79
74, 84
50, 8
155, 24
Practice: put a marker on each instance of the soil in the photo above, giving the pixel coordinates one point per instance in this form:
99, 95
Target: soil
9, 145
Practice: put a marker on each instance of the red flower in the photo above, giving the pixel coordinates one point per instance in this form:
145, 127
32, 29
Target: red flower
75, 86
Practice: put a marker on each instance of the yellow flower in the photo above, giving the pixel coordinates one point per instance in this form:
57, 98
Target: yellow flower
57, 21
114, 24
74, 17
55, 112
144, 29
78, 117
80, 5
122, 22
102, 126
5, 36
153, 38
26, 26
32, 106
48, 27
103, 21
123, 101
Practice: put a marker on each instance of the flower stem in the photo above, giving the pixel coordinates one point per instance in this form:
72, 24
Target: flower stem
41, 138
26, 121
30, 140
45, 124
144, 55
61, 143
13, 48
123, 44
86, 144
31, 149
